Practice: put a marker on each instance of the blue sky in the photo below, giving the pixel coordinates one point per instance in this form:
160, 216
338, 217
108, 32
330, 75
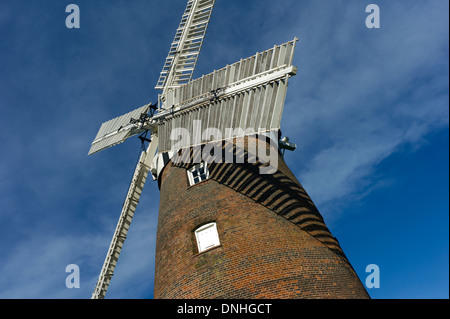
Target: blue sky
368, 109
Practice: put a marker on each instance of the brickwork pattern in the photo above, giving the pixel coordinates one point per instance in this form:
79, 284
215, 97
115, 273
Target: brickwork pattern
274, 243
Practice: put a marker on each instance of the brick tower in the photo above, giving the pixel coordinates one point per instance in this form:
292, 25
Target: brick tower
271, 241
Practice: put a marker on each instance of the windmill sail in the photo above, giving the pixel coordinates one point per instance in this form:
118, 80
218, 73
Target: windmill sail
186, 46
177, 70
118, 130
134, 193
247, 95
256, 66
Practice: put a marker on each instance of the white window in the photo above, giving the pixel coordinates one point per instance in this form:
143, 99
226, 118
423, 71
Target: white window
207, 237
198, 173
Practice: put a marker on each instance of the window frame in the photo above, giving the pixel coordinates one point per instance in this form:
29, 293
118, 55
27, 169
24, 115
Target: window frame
197, 167
215, 242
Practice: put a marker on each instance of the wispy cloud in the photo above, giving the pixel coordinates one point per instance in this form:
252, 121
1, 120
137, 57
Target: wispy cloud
35, 267
361, 94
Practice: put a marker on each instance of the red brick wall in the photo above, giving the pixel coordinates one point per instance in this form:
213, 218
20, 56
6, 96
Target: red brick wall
274, 243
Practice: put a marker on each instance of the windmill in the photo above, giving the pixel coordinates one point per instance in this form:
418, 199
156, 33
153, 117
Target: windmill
248, 94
